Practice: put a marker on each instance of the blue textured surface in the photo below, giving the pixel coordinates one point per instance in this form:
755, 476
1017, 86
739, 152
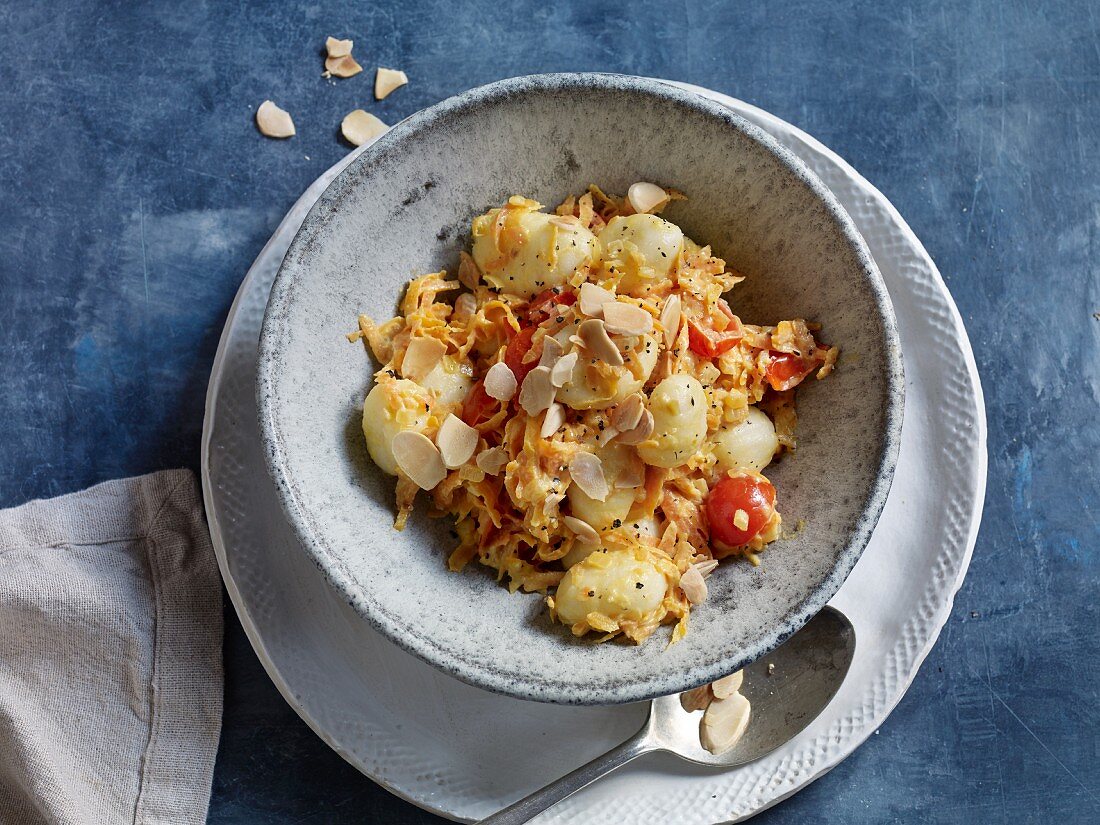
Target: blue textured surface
136, 191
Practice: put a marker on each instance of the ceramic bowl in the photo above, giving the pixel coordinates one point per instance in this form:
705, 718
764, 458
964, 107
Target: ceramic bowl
404, 208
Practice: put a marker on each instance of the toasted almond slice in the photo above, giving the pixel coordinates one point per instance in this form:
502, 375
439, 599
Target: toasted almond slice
642, 431
500, 382
456, 440
628, 413
562, 371
421, 357
361, 127
492, 461
696, 698
418, 458
465, 306
537, 393
345, 66
646, 197
584, 531
338, 48
727, 685
273, 121
632, 475
596, 340
551, 352
741, 520
724, 723
691, 582
707, 567
565, 221
592, 299
670, 319
552, 421
586, 470
626, 319
386, 80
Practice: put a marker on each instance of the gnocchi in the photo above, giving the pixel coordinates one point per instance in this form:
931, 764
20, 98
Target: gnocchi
679, 408
391, 407
749, 444
622, 585
655, 240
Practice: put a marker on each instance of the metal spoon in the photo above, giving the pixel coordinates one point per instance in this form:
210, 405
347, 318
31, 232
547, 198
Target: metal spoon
787, 689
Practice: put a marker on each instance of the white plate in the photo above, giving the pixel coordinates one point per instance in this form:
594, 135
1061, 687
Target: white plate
464, 753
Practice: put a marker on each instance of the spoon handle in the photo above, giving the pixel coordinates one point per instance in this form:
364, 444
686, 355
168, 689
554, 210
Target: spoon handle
531, 806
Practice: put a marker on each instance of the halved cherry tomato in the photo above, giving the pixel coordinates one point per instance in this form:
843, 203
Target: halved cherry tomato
746, 491
479, 405
517, 348
705, 340
787, 370
543, 305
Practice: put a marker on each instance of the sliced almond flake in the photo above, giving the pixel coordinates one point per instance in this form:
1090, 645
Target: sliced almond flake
551, 352
338, 48
596, 340
628, 413
345, 66
551, 423
592, 298
670, 319
646, 197
500, 382
696, 698
632, 474
606, 434
641, 432
465, 305
359, 127
492, 461
584, 531
728, 685
537, 393
456, 441
586, 470
418, 458
691, 582
388, 80
707, 567
741, 520
565, 221
724, 723
626, 319
273, 121
562, 371
421, 357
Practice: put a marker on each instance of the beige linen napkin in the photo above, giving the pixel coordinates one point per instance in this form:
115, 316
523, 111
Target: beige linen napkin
110, 655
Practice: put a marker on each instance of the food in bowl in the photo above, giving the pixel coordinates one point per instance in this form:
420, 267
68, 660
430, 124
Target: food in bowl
587, 405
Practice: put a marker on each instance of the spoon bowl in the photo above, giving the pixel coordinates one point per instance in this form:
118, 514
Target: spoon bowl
786, 689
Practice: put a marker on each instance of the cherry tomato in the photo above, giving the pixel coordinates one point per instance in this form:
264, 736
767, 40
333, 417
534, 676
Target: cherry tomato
786, 370
746, 491
517, 348
478, 406
544, 305
705, 340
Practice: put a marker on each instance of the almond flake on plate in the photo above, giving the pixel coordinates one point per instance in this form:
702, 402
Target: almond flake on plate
724, 723
359, 127
562, 371
632, 474
456, 441
338, 48
696, 698
387, 80
707, 567
641, 432
551, 352
670, 318
420, 357
500, 382
492, 461
418, 458
628, 413
584, 531
345, 66
586, 470
273, 121
646, 197
592, 299
537, 393
551, 423
728, 685
626, 319
691, 582
594, 336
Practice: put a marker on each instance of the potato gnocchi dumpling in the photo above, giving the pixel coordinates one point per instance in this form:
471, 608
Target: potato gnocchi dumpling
586, 404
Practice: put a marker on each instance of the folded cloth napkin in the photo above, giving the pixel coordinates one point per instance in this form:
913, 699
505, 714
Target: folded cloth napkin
110, 655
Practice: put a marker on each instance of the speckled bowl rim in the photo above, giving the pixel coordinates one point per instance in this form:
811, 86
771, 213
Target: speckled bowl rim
534, 686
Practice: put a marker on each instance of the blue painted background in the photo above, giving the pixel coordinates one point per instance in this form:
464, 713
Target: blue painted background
135, 191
